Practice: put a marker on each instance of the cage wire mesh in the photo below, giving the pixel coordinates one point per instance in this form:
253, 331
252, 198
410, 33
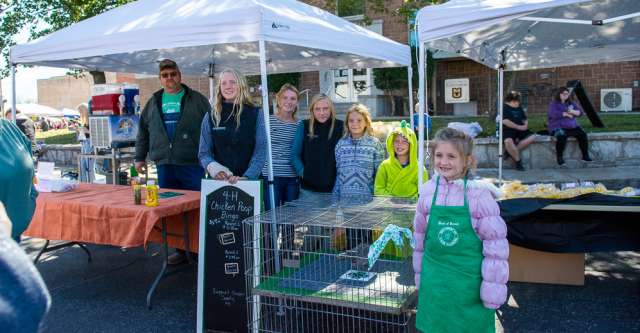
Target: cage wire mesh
307, 268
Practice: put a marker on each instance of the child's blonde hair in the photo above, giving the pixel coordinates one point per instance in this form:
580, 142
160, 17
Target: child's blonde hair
288, 87
364, 112
312, 118
241, 99
461, 141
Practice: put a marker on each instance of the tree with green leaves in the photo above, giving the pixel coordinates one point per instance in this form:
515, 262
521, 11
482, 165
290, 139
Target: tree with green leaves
42, 17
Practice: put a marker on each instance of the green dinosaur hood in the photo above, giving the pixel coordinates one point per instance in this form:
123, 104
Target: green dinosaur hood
392, 178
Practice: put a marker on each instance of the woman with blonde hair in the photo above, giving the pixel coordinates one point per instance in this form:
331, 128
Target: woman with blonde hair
283, 125
313, 155
358, 155
86, 173
232, 139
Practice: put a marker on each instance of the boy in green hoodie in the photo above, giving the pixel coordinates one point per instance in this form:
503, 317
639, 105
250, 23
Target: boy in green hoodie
398, 175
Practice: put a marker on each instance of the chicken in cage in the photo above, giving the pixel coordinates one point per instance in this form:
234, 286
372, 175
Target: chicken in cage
314, 265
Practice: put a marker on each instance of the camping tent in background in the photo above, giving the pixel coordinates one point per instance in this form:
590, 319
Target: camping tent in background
518, 35
70, 113
35, 110
252, 36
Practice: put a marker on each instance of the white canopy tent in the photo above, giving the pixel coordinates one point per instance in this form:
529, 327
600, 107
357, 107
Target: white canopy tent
202, 36
33, 110
528, 34
71, 113
131, 38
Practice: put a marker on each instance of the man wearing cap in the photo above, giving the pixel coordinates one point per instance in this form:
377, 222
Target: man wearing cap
169, 133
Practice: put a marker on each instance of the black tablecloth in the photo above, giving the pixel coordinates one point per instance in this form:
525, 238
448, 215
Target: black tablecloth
572, 231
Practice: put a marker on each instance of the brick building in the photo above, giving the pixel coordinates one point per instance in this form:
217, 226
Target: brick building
64, 91
346, 86
536, 86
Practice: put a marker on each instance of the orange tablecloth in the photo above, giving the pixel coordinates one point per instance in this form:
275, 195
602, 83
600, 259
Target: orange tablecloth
105, 214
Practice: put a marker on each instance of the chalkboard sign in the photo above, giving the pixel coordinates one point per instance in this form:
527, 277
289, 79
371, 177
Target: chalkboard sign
221, 281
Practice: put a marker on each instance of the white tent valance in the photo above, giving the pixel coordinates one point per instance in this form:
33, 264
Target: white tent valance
534, 33
195, 33
39, 110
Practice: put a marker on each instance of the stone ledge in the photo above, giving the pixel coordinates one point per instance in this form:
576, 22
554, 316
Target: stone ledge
61, 155
592, 136
606, 149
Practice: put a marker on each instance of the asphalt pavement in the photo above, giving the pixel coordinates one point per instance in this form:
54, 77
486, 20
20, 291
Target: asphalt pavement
108, 294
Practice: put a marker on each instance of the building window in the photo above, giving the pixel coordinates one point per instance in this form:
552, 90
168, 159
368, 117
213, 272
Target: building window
344, 85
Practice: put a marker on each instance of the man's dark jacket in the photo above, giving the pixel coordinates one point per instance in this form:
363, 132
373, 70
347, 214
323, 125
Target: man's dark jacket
152, 134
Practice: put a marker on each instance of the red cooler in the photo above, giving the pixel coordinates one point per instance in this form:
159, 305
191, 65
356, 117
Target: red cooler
105, 99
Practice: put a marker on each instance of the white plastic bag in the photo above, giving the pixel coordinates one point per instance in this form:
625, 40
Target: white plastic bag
471, 129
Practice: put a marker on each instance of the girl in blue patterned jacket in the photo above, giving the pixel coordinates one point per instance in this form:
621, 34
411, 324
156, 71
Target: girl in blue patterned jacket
358, 155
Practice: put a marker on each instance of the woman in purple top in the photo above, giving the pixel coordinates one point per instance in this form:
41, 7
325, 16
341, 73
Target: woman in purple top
562, 124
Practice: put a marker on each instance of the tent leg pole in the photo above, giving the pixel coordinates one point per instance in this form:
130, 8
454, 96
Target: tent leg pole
422, 86
13, 93
212, 96
265, 112
499, 121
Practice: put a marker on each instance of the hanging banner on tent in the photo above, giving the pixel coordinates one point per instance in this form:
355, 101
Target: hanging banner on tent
456, 91
221, 279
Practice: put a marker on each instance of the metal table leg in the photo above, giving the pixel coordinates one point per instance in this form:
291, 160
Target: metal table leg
185, 225
165, 254
47, 248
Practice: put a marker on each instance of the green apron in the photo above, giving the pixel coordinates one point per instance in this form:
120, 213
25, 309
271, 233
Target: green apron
449, 295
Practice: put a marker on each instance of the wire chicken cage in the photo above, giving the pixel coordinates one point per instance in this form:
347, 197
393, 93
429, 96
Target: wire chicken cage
307, 267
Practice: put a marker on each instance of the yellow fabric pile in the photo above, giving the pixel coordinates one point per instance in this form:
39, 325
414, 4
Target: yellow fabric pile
516, 189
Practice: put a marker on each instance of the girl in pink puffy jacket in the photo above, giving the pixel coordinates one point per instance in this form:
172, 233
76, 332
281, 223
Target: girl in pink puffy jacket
460, 259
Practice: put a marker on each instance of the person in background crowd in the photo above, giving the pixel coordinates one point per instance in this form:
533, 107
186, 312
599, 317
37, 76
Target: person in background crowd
358, 155
313, 155
43, 124
24, 298
426, 117
168, 133
398, 175
515, 132
562, 124
461, 251
283, 126
17, 192
26, 126
84, 137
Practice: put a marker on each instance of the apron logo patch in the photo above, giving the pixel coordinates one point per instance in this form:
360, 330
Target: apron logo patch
448, 236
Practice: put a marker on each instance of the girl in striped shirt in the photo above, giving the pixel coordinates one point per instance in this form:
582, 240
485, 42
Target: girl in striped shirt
283, 130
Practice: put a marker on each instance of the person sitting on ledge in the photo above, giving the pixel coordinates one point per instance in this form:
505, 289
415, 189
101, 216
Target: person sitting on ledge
515, 130
562, 124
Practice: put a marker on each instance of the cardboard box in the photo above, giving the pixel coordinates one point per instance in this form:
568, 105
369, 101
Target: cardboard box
545, 267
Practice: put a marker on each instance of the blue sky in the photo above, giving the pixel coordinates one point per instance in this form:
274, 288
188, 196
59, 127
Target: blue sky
26, 78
